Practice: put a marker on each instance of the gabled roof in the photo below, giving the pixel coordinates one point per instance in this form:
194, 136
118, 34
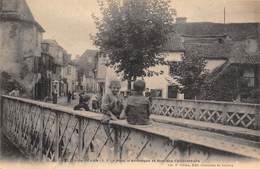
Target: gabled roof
51, 42
18, 10
84, 63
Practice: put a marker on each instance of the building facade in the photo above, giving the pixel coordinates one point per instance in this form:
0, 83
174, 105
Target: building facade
69, 77
221, 45
20, 43
87, 67
62, 74
224, 46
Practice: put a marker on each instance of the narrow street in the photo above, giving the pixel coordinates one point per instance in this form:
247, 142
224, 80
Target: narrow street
63, 101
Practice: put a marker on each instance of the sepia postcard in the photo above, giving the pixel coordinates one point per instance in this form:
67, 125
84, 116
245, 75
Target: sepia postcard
129, 83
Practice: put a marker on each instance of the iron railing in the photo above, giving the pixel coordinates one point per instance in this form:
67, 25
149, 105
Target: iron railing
51, 132
226, 113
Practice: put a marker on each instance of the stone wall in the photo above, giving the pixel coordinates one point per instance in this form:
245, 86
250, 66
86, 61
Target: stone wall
20, 43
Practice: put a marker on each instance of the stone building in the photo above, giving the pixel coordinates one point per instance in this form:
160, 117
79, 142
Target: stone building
224, 46
62, 74
87, 70
20, 43
69, 76
46, 68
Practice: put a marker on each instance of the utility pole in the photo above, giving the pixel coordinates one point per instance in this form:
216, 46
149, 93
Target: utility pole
224, 15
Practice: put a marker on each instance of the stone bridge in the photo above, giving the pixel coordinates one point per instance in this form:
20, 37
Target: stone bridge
180, 130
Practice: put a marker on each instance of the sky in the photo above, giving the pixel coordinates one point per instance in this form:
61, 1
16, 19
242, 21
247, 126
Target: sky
70, 22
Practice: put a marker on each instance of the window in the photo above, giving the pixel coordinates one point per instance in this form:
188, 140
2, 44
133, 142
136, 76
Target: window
249, 76
172, 67
45, 47
68, 70
172, 91
156, 92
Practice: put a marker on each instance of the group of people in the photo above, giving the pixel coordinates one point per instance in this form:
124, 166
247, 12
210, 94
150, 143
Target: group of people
135, 108
70, 96
14, 92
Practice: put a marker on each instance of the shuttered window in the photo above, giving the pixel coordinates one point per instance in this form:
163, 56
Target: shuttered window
249, 76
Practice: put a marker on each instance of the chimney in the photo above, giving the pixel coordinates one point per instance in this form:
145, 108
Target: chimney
181, 20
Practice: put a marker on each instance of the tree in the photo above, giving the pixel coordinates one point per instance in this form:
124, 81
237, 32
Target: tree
8, 83
191, 74
132, 34
229, 85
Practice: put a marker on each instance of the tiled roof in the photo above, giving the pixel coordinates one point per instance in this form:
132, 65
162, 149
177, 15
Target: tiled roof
207, 50
236, 31
216, 41
239, 55
175, 43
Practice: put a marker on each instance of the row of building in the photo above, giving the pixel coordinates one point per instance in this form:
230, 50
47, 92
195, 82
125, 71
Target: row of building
37, 67
43, 66
222, 46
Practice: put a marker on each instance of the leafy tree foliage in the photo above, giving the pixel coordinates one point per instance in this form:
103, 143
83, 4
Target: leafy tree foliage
132, 34
230, 85
224, 85
7, 83
191, 74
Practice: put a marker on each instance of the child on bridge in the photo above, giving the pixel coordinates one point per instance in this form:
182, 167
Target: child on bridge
111, 103
137, 108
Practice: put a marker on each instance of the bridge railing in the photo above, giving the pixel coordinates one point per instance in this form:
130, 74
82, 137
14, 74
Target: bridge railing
55, 133
226, 113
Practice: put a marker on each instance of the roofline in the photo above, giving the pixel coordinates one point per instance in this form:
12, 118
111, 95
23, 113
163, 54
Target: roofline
93, 50
217, 58
204, 36
39, 27
174, 50
13, 16
220, 23
215, 75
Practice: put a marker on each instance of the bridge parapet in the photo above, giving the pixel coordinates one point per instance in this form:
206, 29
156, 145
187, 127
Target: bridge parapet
55, 133
226, 113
